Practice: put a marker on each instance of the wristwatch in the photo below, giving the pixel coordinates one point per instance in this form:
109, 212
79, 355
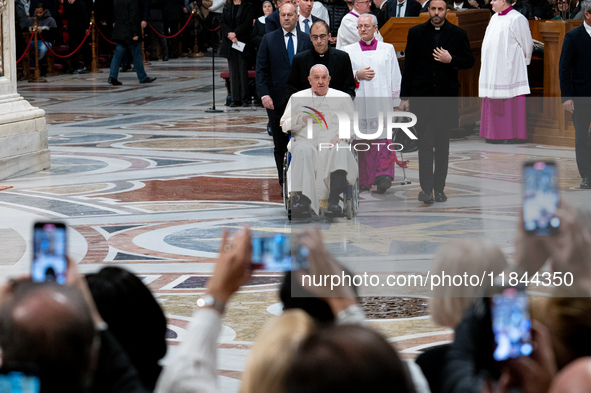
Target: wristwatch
210, 301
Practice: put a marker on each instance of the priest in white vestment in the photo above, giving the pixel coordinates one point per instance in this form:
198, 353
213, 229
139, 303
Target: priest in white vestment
348, 33
378, 76
321, 163
506, 51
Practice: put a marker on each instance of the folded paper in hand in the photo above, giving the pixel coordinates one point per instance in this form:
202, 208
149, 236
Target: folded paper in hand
239, 46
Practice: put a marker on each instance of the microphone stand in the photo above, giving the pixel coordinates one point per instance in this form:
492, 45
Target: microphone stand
212, 109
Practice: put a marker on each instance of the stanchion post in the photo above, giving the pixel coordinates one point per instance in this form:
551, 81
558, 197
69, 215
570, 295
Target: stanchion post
212, 109
37, 78
195, 53
94, 45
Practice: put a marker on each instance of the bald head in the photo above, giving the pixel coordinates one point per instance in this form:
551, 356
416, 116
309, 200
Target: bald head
51, 327
574, 378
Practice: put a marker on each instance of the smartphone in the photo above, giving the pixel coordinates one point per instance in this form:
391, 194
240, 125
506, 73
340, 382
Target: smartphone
15, 381
278, 253
540, 198
49, 252
511, 324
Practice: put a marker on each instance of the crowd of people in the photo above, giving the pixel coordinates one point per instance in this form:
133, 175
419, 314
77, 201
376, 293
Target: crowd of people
105, 332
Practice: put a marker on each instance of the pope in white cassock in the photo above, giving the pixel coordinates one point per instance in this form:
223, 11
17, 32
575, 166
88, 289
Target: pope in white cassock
321, 163
378, 76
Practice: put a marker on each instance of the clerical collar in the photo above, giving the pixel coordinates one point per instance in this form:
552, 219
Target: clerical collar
437, 28
368, 45
506, 11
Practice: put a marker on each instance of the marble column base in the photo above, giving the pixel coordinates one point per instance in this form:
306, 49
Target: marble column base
23, 138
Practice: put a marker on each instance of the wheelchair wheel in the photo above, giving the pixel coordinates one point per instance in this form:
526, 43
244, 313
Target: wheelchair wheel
355, 193
288, 208
286, 160
349, 208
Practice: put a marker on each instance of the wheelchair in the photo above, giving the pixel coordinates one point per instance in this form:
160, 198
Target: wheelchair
349, 198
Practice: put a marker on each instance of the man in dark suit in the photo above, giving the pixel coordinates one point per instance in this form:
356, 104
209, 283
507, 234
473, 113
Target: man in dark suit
305, 12
274, 60
399, 8
337, 62
435, 51
575, 86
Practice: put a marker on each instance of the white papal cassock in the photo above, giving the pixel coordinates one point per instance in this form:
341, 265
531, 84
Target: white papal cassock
348, 33
310, 169
382, 93
506, 52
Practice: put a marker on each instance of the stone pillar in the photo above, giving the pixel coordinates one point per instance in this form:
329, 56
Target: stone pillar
23, 136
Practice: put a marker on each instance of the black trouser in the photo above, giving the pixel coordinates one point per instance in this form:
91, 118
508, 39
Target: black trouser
238, 76
280, 139
171, 28
155, 39
433, 149
76, 37
581, 120
338, 185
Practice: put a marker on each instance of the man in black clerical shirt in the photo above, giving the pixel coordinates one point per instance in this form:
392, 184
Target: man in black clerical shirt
337, 62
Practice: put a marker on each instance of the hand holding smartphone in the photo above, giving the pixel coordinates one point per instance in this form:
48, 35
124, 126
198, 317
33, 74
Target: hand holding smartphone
278, 253
49, 252
511, 324
540, 198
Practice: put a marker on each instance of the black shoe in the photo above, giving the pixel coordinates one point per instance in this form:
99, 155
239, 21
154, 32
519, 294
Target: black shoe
334, 208
363, 188
301, 208
245, 104
383, 182
114, 81
234, 104
440, 196
427, 199
586, 183
148, 80
81, 71
165, 58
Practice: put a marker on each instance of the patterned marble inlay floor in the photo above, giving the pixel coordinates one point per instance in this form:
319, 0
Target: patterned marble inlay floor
146, 179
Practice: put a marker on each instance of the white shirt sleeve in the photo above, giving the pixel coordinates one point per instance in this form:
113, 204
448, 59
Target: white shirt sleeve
320, 11
523, 36
347, 33
193, 367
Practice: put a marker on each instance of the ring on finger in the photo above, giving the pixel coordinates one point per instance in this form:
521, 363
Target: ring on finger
228, 247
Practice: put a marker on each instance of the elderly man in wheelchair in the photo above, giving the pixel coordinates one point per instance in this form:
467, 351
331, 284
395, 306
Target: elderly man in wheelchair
322, 165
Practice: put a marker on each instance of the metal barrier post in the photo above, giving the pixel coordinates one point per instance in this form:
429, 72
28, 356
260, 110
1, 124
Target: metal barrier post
195, 53
37, 78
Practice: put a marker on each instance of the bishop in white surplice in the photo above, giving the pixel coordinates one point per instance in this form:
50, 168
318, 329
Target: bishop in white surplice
347, 33
377, 95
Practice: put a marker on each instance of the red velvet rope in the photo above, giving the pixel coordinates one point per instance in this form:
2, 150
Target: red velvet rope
105, 38
26, 50
179, 32
71, 54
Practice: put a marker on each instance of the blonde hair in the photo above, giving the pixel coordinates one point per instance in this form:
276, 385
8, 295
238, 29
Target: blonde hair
272, 353
471, 256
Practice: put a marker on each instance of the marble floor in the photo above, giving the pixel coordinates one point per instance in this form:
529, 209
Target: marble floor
147, 180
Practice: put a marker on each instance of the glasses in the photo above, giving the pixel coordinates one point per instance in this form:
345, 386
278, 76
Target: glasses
365, 2
364, 27
321, 36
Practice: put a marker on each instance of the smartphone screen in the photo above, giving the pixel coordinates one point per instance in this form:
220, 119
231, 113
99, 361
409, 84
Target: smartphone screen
49, 252
540, 198
511, 324
18, 382
278, 253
